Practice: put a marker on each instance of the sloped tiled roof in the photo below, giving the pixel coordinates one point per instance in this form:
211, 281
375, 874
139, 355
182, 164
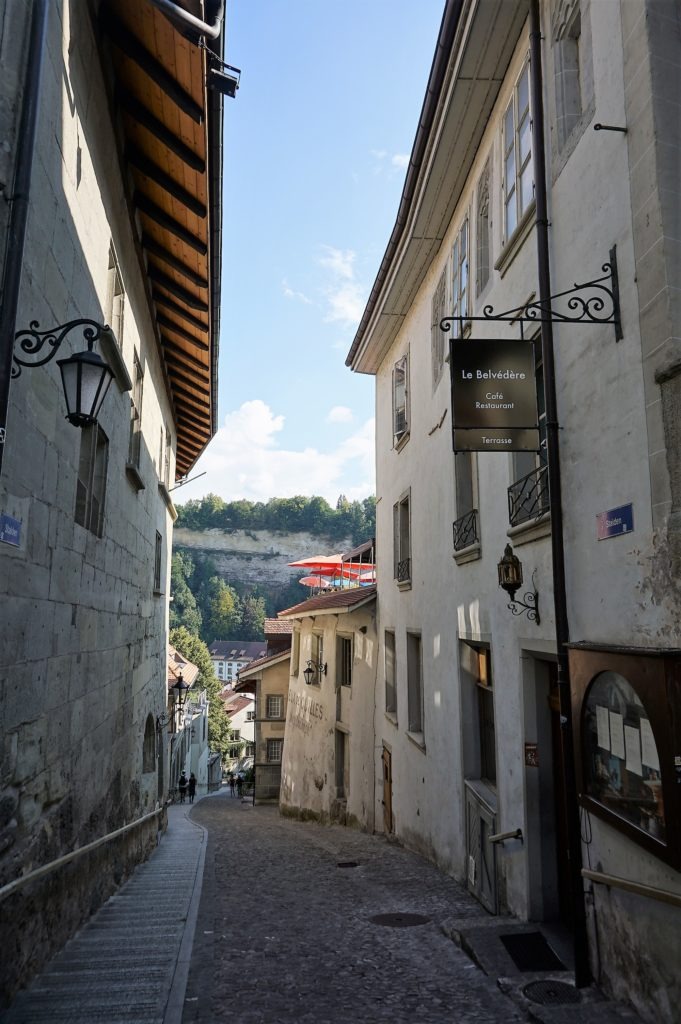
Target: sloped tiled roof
236, 704
236, 650
277, 626
341, 600
178, 663
255, 666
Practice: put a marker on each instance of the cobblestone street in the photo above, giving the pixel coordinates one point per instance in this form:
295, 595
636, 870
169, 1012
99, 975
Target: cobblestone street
285, 933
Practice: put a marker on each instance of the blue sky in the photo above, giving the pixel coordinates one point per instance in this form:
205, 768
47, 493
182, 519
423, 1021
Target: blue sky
316, 146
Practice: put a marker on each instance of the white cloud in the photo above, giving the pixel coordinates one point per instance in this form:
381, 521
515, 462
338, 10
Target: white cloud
340, 414
339, 261
291, 294
244, 461
400, 160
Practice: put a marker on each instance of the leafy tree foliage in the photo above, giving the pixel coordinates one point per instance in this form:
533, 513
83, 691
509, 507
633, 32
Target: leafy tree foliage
289, 515
184, 610
196, 651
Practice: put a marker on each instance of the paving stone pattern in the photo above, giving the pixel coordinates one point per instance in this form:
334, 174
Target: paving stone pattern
284, 935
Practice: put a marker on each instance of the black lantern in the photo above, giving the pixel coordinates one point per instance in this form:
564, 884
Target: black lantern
510, 570
85, 375
181, 688
314, 672
85, 378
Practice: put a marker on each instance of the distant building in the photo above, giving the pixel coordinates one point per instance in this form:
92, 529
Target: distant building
229, 656
268, 680
240, 710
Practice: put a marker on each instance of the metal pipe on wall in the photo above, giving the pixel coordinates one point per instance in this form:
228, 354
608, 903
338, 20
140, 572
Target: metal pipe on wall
582, 970
21, 188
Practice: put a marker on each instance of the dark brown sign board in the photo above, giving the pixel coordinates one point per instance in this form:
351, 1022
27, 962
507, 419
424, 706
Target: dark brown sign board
494, 397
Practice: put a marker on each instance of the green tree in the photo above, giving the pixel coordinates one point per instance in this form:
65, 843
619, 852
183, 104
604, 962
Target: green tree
252, 618
196, 651
221, 610
184, 610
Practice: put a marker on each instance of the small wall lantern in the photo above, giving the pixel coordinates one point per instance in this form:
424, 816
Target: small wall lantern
181, 688
510, 570
85, 375
314, 671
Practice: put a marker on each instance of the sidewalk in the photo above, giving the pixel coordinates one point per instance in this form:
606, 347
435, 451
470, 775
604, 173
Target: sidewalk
129, 963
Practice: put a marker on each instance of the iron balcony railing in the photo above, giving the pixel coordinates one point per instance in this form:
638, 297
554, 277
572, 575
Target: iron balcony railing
404, 570
465, 530
528, 498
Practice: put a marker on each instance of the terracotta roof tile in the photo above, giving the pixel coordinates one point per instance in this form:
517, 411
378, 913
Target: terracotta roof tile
327, 602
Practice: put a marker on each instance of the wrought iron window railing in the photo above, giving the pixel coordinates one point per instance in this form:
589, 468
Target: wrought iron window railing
528, 498
404, 570
465, 530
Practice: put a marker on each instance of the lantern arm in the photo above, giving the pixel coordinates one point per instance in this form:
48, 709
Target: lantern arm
32, 341
530, 606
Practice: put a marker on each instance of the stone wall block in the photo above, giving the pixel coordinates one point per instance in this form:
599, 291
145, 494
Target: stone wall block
650, 273
31, 749
65, 580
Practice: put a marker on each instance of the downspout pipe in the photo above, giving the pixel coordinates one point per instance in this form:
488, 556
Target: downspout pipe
19, 199
178, 15
582, 970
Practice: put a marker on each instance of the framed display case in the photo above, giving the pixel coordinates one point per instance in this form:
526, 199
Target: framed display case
626, 708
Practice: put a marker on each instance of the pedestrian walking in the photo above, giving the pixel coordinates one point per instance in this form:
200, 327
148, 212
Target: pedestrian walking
191, 787
239, 785
182, 786
232, 784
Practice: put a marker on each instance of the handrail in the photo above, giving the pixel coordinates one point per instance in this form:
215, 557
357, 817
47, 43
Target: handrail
673, 898
501, 837
45, 869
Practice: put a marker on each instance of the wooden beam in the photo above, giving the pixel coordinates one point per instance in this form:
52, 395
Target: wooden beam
131, 47
151, 245
177, 290
142, 162
198, 400
184, 373
193, 421
164, 300
144, 116
147, 206
199, 418
170, 348
191, 448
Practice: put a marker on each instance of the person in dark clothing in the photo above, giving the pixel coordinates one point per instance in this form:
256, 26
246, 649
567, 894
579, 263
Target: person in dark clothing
239, 785
232, 784
191, 787
182, 786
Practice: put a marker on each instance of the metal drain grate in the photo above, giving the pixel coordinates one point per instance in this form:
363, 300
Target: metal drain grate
399, 920
347, 864
551, 993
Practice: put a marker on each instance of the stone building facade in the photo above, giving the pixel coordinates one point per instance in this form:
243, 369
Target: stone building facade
469, 713
85, 565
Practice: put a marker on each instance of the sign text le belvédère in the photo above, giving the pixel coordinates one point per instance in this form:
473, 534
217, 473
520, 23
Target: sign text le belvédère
494, 396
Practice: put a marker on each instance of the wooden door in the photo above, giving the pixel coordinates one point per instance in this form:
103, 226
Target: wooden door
386, 759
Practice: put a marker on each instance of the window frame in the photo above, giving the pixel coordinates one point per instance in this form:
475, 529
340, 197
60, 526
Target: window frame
91, 479
401, 432
483, 230
115, 298
274, 699
513, 190
158, 562
390, 683
438, 311
415, 696
460, 272
272, 743
136, 396
402, 554
344, 660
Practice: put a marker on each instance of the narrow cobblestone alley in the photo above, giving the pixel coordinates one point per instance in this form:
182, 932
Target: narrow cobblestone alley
285, 931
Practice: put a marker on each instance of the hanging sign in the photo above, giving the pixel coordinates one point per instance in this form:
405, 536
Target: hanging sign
615, 522
10, 530
494, 396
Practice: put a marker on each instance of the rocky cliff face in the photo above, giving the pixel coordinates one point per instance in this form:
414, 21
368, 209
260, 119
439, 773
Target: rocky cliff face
258, 556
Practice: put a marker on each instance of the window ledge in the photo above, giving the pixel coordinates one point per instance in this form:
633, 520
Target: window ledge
418, 739
158, 593
114, 358
471, 553
134, 476
515, 243
399, 445
535, 529
391, 718
404, 585
165, 494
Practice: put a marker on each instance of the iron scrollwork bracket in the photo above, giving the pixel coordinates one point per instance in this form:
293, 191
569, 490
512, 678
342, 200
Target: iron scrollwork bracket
32, 341
592, 302
530, 606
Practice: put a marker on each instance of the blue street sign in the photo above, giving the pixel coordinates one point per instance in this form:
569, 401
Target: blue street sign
10, 530
615, 522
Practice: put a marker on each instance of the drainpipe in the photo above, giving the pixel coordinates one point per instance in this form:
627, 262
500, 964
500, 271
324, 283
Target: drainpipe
582, 971
178, 15
19, 200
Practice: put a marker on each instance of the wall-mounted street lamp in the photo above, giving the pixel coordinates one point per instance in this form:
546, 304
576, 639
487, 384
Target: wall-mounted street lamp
181, 689
162, 721
510, 570
85, 375
314, 672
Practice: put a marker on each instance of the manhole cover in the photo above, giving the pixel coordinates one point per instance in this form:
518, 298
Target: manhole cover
551, 993
399, 920
347, 864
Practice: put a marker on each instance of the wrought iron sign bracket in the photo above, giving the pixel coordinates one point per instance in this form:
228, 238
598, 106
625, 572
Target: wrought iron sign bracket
530, 606
32, 341
592, 302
